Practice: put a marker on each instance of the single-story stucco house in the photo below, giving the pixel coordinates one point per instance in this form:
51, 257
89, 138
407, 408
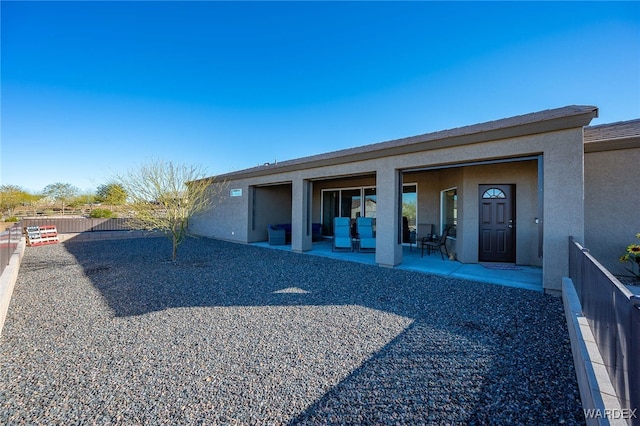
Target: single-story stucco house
511, 190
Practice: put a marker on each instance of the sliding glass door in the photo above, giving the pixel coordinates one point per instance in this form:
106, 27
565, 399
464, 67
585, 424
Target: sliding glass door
330, 210
363, 202
348, 202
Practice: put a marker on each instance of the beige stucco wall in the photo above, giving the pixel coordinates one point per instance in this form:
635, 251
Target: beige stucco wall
563, 203
612, 205
227, 218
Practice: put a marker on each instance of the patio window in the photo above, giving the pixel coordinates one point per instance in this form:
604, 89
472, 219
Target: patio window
449, 210
409, 210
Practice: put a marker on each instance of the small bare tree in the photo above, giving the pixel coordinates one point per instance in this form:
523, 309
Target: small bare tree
163, 196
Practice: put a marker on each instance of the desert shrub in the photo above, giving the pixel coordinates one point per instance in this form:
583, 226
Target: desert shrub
102, 213
12, 219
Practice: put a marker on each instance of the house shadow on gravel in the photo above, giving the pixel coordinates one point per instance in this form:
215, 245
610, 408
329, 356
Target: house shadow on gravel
472, 354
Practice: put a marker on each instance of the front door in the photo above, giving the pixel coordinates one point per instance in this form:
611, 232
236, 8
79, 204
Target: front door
497, 223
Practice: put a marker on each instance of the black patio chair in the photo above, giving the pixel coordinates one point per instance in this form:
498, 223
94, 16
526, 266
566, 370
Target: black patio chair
437, 245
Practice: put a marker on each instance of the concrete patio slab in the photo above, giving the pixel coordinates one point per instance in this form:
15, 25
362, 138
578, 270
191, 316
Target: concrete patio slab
520, 276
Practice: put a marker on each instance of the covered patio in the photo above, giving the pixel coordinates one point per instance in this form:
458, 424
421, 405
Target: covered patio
468, 180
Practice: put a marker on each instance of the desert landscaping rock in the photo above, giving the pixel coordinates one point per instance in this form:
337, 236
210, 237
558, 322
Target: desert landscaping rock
111, 332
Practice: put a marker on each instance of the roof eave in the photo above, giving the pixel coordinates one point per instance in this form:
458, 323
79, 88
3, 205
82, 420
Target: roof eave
612, 144
513, 127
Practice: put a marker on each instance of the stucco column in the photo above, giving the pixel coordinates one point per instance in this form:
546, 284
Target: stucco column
563, 191
388, 193
301, 231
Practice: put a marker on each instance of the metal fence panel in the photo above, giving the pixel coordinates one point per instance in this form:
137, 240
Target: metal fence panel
9, 240
614, 317
78, 225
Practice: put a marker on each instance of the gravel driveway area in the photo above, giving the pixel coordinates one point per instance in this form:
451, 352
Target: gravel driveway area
111, 332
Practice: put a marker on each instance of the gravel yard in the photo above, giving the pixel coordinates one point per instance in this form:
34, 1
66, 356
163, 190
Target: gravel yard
111, 332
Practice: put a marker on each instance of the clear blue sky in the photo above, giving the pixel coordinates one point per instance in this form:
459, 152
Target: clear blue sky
91, 89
